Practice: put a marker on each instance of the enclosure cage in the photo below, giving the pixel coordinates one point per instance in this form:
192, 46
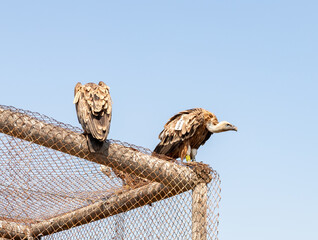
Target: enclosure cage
52, 187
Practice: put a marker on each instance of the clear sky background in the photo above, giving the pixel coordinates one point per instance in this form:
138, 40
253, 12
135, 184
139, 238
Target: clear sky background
252, 63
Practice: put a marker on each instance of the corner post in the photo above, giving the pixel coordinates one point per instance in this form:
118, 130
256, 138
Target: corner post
199, 212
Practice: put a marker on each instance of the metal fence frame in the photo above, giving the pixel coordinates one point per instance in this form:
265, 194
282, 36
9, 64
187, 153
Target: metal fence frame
155, 177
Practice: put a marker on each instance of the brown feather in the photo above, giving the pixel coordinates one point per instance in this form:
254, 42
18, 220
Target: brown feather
93, 107
174, 143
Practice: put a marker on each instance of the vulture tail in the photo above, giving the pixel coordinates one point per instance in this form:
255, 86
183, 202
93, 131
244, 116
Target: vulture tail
158, 149
94, 145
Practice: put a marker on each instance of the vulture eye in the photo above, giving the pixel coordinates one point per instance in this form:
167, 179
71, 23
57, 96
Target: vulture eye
228, 125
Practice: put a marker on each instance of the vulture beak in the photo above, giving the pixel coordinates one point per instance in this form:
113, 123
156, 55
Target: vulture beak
235, 128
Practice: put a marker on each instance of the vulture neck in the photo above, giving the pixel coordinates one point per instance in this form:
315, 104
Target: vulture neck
215, 128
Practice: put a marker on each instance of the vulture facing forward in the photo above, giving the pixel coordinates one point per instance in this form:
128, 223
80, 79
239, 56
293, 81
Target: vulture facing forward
94, 110
185, 132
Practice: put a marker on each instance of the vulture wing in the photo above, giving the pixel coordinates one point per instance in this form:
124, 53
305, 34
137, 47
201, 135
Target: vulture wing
94, 109
179, 129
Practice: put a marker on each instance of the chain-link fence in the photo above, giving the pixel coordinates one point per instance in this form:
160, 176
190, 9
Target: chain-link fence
52, 187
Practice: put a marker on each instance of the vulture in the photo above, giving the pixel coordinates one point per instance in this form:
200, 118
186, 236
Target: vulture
94, 111
186, 131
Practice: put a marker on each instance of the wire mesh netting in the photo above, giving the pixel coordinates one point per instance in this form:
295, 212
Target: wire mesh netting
52, 187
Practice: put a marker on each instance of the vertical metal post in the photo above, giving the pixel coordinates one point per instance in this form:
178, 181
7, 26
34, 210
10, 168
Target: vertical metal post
199, 212
119, 226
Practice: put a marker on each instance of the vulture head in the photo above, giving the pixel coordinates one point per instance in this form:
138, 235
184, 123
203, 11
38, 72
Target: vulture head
220, 127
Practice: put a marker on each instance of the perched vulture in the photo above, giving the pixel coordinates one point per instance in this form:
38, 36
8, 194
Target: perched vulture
94, 112
186, 131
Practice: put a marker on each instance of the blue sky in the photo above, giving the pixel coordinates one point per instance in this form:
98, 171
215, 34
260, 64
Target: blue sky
252, 63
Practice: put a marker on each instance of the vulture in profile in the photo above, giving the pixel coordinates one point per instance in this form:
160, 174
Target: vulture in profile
94, 111
186, 131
